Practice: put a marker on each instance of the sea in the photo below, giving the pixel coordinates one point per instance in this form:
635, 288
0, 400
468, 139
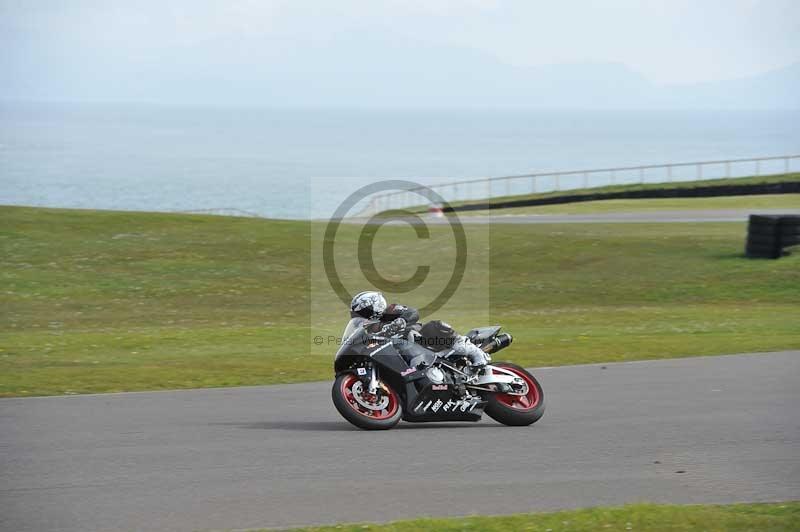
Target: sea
302, 163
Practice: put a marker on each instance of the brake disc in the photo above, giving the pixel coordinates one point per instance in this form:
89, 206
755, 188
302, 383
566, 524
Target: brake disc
358, 390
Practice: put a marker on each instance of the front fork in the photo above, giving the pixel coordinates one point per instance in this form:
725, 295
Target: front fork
369, 376
372, 387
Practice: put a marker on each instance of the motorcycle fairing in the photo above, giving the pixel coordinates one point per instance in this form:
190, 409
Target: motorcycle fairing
388, 357
480, 335
357, 344
438, 402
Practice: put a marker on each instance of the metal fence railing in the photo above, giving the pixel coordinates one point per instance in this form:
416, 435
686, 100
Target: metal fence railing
222, 211
492, 187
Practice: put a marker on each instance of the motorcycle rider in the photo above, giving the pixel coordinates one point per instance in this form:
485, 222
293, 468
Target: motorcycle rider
398, 318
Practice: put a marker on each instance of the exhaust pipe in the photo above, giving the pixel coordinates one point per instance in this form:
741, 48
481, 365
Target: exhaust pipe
501, 341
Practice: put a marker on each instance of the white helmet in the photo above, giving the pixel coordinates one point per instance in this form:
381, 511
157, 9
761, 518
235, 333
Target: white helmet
368, 305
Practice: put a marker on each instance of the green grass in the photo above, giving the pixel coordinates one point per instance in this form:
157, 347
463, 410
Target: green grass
650, 517
751, 180
114, 301
765, 201
110, 301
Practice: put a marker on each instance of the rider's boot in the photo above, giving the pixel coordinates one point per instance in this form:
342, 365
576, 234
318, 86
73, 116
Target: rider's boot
478, 358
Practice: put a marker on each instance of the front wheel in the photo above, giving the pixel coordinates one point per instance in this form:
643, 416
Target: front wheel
379, 411
519, 409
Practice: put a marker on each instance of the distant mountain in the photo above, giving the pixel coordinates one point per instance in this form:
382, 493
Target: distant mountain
777, 89
364, 70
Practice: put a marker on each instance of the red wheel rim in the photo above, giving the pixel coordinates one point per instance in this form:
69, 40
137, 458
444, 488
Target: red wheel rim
529, 401
389, 410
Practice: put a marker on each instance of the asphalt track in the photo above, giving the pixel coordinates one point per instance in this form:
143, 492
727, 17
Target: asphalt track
711, 429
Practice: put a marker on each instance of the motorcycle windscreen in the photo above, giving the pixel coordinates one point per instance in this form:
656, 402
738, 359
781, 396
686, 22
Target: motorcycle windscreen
353, 333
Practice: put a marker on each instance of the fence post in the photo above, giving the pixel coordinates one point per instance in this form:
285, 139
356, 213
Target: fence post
489, 189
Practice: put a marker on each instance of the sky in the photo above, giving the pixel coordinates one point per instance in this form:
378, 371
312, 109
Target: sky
115, 44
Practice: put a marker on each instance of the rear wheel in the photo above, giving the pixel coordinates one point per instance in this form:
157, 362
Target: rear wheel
378, 411
517, 409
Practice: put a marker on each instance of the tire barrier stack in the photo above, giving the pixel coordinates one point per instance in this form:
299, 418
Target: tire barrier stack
768, 235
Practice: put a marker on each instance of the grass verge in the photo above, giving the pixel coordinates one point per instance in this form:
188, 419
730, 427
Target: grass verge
115, 301
762, 517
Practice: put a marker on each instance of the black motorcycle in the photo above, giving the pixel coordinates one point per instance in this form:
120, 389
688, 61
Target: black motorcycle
383, 376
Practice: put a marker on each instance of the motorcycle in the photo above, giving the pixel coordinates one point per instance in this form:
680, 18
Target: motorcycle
383, 376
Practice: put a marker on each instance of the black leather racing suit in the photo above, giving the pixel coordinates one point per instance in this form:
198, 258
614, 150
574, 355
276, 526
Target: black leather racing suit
405, 319
395, 311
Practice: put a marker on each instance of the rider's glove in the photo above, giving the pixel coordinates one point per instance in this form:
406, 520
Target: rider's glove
395, 326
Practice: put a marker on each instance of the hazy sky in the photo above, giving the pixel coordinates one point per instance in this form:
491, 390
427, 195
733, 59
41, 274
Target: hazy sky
667, 41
